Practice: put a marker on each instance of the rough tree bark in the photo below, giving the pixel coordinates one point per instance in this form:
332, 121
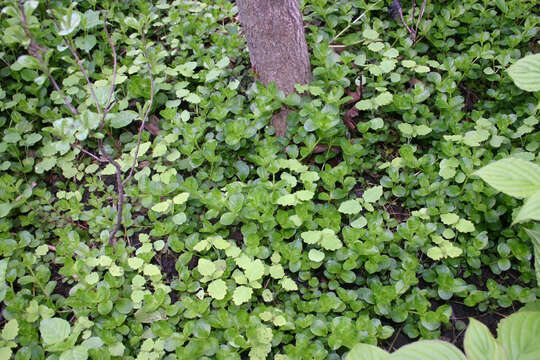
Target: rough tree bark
277, 46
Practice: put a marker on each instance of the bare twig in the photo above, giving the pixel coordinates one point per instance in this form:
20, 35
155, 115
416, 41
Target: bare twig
400, 12
103, 113
118, 169
354, 22
421, 15
108, 104
95, 157
37, 52
83, 70
413, 10
141, 128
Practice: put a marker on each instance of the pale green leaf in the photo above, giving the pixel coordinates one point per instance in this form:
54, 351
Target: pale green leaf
526, 73
162, 206
350, 207
373, 194
217, 289
206, 267
151, 270
406, 129
69, 23
367, 352
384, 98
287, 200
464, 226
116, 270
109, 169
92, 278
193, 98
75, 353
276, 271
181, 198
122, 118
330, 241
180, 218
220, 243
315, 255
530, 209
255, 270
364, 105
512, 176
435, 253
480, 344
54, 330
288, 284
311, 237
359, 223
227, 218
376, 46
5, 208
428, 349
519, 334
42, 250
535, 237
159, 150
370, 34
10, 330
241, 295
135, 263
304, 195
449, 219
309, 176
5, 352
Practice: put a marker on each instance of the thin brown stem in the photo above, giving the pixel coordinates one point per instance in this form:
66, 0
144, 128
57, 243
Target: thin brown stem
81, 67
95, 157
141, 128
103, 113
37, 52
421, 15
108, 105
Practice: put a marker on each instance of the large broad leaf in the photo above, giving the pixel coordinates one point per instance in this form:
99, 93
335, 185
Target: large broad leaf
54, 330
428, 349
535, 237
367, 352
512, 176
480, 344
526, 73
530, 210
519, 334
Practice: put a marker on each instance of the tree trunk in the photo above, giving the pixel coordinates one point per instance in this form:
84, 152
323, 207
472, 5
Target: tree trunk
277, 46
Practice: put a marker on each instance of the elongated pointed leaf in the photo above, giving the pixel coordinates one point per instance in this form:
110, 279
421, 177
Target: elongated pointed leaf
480, 344
512, 176
535, 237
519, 335
530, 209
428, 349
367, 352
526, 73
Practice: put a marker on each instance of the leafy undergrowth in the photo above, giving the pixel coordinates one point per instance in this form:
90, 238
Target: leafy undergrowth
364, 225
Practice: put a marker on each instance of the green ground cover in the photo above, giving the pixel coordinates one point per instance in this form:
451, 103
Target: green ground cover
365, 224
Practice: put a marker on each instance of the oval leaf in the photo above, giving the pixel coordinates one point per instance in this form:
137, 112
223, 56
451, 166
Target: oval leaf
526, 73
519, 334
366, 352
428, 349
515, 177
480, 344
530, 210
54, 330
